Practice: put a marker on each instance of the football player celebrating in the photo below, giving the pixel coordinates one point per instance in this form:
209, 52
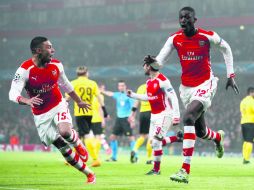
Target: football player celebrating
163, 115
41, 77
198, 82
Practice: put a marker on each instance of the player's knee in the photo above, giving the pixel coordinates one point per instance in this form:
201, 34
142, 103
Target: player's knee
200, 133
64, 130
200, 130
64, 133
188, 119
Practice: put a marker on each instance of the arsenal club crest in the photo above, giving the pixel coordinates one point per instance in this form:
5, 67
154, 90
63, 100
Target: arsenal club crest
201, 43
54, 72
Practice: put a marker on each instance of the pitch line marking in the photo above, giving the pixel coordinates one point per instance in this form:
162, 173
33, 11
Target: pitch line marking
13, 188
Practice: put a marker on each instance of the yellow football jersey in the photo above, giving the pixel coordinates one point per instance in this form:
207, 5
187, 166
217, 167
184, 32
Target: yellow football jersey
86, 89
247, 110
144, 105
96, 109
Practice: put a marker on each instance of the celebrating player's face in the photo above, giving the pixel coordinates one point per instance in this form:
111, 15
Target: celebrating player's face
186, 20
46, 53
146, 69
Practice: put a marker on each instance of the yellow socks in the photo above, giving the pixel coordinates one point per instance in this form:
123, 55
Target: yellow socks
247, 150
149, 150
89, 142
139, 143
97, 147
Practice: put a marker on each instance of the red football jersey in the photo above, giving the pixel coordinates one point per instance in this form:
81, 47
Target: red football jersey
194, 55
42, 81
156, 94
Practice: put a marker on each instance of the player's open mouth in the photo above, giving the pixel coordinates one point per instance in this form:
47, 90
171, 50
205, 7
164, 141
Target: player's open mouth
183, 26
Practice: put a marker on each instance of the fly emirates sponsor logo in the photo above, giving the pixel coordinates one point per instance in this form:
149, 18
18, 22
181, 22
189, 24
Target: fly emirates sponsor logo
191, 56
151, 97
44, 89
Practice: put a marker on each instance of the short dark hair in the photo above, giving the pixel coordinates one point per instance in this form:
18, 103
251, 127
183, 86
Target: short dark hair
151, 66
188, 9
250, 90
36, 42
81, 70
121, 81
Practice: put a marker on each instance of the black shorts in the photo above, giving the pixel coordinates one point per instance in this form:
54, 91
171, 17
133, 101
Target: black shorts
144, 122
84, 124
122, 126
248, 132
97, 128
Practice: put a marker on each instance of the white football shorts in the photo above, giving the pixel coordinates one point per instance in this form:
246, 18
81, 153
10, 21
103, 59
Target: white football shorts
46, 123
203, 93
160, 124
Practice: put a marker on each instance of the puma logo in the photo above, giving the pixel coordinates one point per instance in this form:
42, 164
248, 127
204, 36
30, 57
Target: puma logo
34, 78
179, 43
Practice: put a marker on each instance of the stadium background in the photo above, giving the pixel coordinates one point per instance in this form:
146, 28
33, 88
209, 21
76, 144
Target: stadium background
111, 37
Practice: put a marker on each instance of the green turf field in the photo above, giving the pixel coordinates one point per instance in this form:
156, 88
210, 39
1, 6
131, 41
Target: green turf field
40, 171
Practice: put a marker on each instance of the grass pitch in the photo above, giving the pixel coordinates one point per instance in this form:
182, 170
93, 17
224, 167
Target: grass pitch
46, 171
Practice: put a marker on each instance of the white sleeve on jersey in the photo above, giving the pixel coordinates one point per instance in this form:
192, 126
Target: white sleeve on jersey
165, 52
63, 81
18, 84
225, 49
170, 93
142, 97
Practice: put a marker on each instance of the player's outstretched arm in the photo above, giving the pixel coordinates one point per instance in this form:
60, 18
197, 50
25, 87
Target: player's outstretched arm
107, 93
165, 52
228, 57
142, 97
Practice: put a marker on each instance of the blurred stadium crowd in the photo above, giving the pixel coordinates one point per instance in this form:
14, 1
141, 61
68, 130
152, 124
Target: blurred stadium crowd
115, 34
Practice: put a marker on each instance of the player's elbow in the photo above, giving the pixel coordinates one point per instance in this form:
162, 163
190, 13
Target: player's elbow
224, 47
12, 97
68, 89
